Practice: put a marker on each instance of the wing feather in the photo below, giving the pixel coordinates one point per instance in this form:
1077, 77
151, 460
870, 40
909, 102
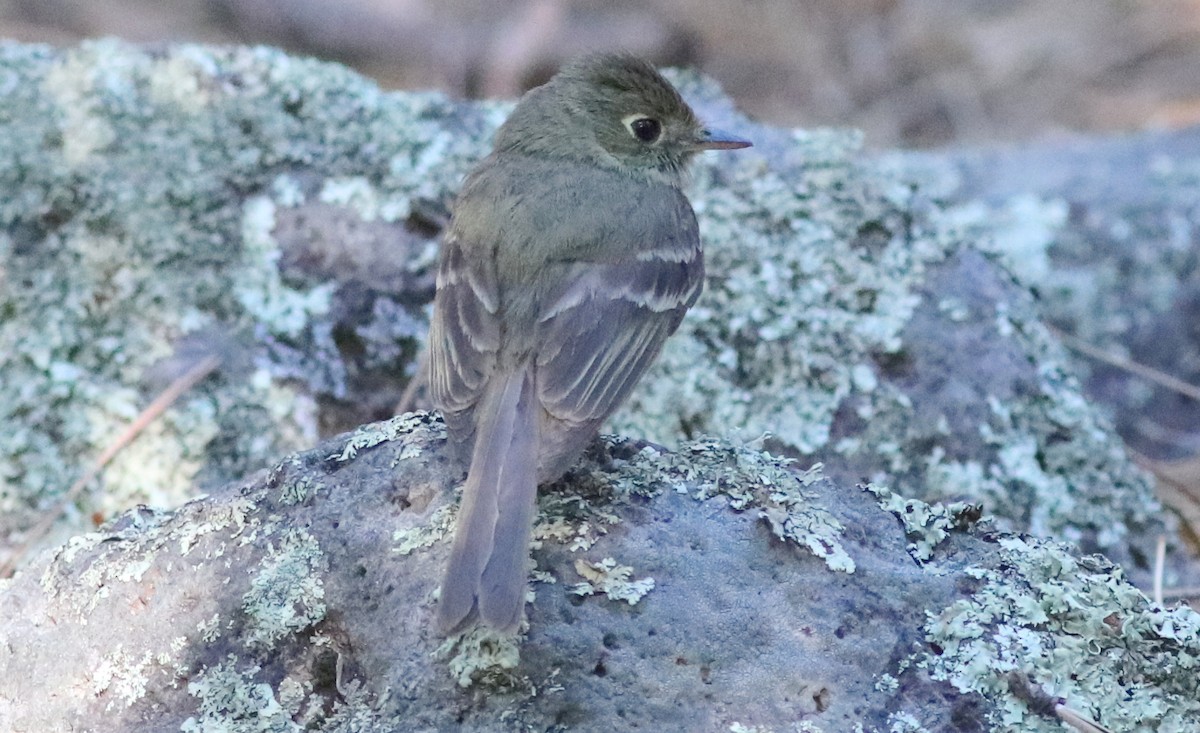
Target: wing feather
464, 337
602, 333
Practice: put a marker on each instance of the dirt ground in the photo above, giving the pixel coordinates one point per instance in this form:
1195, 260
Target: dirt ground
911, 73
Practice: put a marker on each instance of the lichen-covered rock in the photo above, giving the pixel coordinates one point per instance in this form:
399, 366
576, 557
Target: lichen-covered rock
715, 588
163, 204
1107, 231
282, 213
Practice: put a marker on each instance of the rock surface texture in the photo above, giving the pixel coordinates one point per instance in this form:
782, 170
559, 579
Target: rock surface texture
862, 312
698, 590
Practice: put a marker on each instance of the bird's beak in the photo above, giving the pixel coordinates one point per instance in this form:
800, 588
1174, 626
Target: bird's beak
713, 139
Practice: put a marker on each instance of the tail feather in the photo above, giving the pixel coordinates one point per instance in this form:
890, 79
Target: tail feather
486, 575
502, 586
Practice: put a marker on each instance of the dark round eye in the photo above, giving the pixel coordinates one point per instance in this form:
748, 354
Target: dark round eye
646, 129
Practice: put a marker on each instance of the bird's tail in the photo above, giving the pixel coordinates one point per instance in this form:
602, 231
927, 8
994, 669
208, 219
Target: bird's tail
486, 575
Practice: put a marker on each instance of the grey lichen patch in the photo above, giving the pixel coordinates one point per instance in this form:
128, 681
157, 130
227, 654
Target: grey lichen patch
1079, 631
482, 656
286, 593
926, 525
233, 700
414, 430
749, 479
610, 579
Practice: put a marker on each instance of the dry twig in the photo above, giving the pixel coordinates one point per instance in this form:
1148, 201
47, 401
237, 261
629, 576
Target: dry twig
199, 371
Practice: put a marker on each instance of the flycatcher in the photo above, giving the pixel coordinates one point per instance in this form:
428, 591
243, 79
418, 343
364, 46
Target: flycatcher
571, 256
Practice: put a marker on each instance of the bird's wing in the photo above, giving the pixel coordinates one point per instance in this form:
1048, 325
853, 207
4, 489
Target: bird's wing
607, 325
464, 336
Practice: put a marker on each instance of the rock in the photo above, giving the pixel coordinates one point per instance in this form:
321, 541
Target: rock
697, 590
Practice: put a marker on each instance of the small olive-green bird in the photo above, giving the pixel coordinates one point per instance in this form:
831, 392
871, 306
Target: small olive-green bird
571, 256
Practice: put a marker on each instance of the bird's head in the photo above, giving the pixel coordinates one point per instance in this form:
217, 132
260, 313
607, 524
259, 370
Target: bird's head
614, 110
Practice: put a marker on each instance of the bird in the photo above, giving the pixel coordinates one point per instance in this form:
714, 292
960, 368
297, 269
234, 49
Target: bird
571, 255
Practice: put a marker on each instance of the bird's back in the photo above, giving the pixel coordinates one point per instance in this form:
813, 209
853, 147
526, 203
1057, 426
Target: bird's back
578, 254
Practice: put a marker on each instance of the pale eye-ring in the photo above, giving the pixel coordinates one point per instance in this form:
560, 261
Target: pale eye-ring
646, 129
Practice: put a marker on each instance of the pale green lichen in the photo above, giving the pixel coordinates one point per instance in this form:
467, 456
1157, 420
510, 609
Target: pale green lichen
238, 513
355, 711
482, 656
258, 284
93, 567
106, 565
234, 700
748, 478
1123, 267
1023, 229
1079, 631
903, 722
1046, 463
123, 677
925, 525
300, 491
579, 518
299, 486
210, 630
804, 726
358, 193
885, 682
613, 580
413, 430
410, 539
286, 593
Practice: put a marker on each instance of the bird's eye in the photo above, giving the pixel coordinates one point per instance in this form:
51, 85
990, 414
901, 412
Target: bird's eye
646, 129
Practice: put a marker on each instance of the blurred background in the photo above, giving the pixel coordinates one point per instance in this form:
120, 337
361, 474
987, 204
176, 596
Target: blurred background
910, 73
